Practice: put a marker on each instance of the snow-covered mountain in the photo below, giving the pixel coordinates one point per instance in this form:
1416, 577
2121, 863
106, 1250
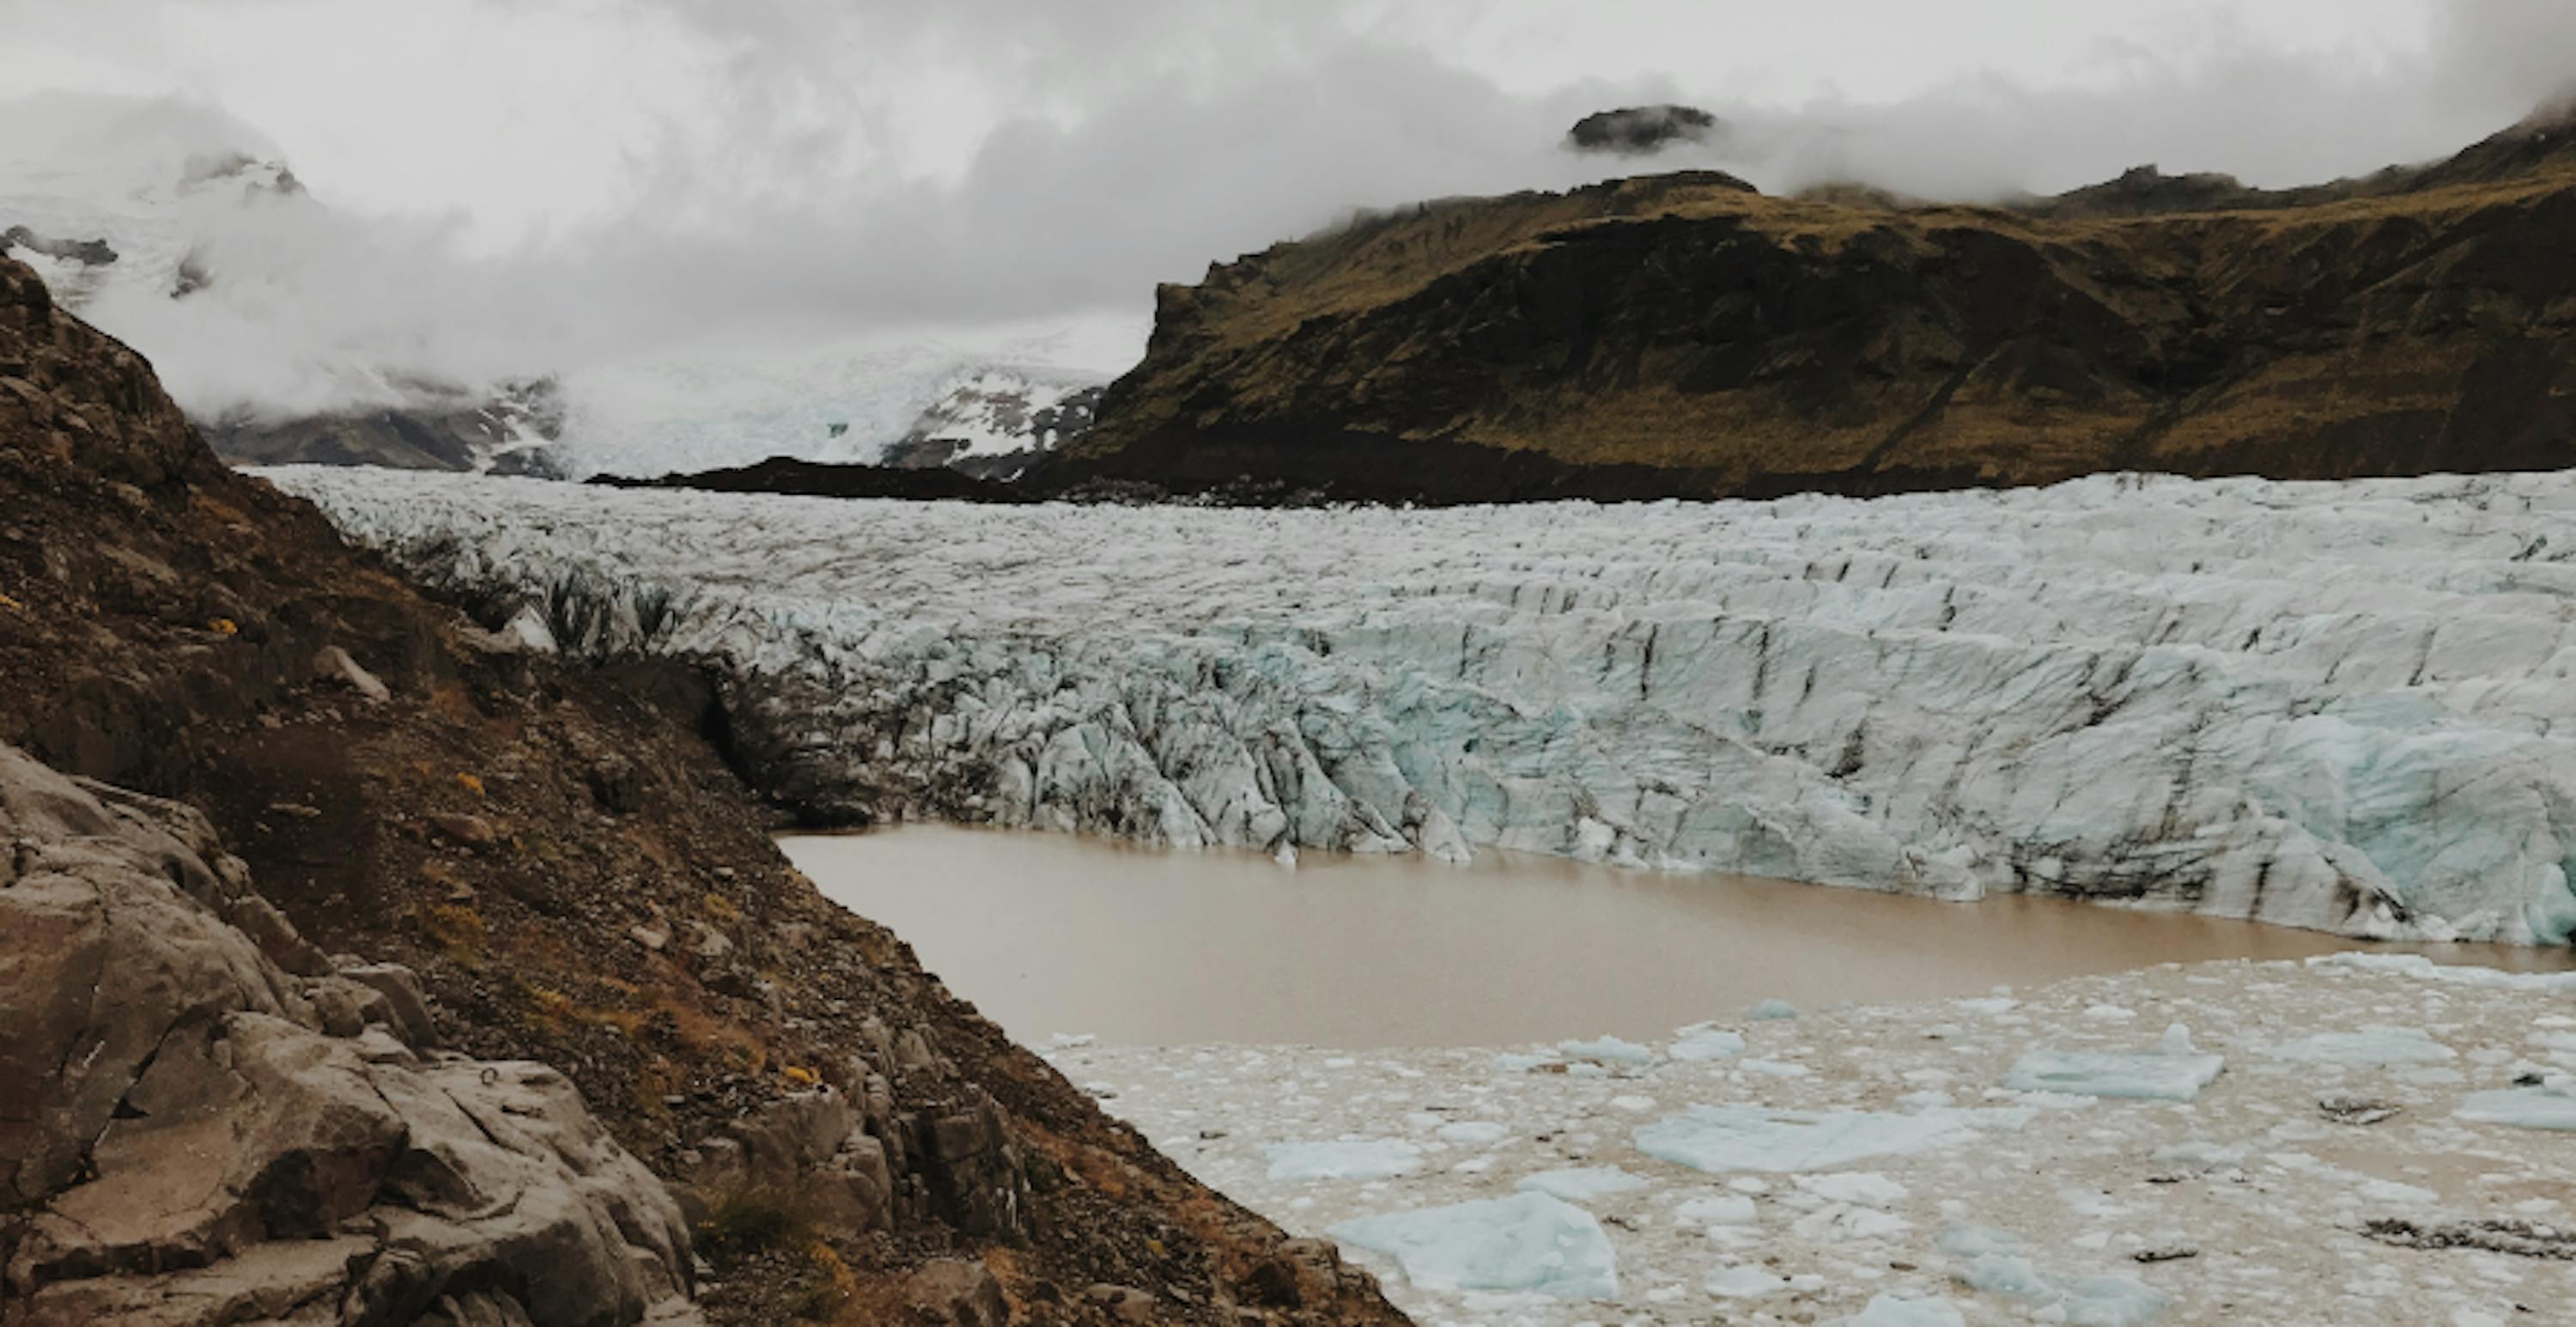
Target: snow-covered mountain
994, 423
186, 234
2347, 706
291, 332
988, 400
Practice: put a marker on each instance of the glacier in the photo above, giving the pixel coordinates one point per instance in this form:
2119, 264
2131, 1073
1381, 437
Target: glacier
2344, 706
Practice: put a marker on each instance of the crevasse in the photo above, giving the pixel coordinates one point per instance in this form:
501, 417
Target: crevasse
2345, 706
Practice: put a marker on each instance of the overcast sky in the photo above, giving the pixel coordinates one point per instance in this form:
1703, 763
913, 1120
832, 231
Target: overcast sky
663, 164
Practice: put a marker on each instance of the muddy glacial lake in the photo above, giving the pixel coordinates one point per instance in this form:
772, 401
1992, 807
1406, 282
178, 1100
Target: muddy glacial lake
1060, 934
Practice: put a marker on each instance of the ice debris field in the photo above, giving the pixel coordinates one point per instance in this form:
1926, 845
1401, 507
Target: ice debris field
2346, 706
2356, 1139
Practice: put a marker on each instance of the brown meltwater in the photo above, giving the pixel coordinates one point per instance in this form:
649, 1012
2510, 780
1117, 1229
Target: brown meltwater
1055, 933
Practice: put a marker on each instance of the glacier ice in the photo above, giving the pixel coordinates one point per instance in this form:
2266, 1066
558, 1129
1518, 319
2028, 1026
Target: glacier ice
1363, 1159
1903, 1311
1716, 1209
2344, 706
1578, 1184
1607, 1050
2173, 1070
1995, 1262
1718, 1139
1528, 1242
1748, 1281
1707, 1044
2371, 1045
2551, 1105
2425, 969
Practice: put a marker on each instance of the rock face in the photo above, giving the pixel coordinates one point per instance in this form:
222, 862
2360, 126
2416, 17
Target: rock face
1681, 336
544, 866
2340, 706
996, 423
1636, 130
508, 431
206, 1124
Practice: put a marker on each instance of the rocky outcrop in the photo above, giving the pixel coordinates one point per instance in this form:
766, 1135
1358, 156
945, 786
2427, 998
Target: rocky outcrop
995, 423
1682, 336
510, 431
205, 1123
533, 863
1637, 130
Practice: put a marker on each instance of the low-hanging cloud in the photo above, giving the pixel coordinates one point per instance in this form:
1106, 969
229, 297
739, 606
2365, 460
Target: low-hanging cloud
1093, 151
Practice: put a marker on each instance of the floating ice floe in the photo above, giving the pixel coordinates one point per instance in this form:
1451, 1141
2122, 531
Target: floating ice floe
1995, 1263
2417, 965
1867, 1188
1366, 1159
1530, 1242
1772, 1011
1752, 1282
1900, 1311
1609, 1050
2551, 1105
1473, 1133
1707, 1044
1718, 1139
2199, 1152
1583, 1183
1716, 1209
2172, 1071
2371, 1045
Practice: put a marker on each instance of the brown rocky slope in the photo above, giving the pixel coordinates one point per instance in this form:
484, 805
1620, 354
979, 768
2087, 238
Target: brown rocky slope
1683, 335
588, 900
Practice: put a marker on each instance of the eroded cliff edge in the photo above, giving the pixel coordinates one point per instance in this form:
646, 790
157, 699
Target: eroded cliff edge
589, 902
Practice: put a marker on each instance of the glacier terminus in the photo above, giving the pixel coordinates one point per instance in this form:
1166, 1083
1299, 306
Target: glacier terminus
2348, 706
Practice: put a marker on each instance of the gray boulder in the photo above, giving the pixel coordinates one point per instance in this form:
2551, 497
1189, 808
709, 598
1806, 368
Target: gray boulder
202, 1124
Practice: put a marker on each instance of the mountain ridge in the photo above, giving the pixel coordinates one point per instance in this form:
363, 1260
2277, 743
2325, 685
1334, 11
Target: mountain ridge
1683, 335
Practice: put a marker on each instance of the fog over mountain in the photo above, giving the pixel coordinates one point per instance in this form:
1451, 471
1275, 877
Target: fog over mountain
501, 190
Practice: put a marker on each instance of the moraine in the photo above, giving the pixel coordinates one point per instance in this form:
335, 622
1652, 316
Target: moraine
2343, 706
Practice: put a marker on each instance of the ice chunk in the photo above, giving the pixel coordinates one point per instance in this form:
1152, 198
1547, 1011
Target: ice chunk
1716, 1209
2418, 966
1584, 1183
1867, 1188
1994, 1262
1772, 1010
1529, 1242
2371, 1045
1745, 1282
1473, 1133
2550, 1106
2199, 1152
1718, 1139
1899, 1311
1708, 1044
1367, 1159
2173, 1071
1608, 1049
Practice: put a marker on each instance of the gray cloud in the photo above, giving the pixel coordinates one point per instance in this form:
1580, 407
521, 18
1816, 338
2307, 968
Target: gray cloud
1105, 147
